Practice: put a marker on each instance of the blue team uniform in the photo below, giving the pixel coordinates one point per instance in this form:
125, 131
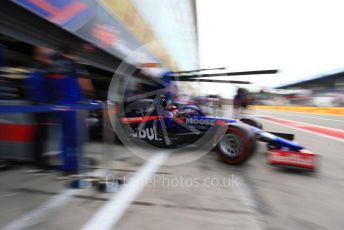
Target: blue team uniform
65, 90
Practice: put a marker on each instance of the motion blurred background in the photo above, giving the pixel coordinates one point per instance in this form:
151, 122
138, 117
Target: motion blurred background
302, 40
159, 41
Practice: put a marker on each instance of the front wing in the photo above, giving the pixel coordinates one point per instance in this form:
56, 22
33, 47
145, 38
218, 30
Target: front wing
285, 152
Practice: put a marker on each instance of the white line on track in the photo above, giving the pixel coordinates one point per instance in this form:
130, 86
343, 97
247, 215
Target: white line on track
296, 115
37, 215
111, 212
304, 130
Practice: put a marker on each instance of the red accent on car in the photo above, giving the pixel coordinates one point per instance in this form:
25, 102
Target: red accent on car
180, 119
221, 122
129, 120
303, 159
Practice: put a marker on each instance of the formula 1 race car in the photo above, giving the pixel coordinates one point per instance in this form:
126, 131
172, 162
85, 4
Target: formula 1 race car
154, 122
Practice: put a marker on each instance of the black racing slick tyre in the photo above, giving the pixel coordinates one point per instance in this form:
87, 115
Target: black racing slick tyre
252, 122
237, 144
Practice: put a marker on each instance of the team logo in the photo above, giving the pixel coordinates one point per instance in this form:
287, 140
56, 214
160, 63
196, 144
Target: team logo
148, 133
194, 121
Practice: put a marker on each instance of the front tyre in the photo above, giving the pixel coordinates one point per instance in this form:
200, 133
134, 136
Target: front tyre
237, 144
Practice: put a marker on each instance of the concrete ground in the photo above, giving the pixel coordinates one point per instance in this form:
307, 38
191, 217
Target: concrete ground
205, 193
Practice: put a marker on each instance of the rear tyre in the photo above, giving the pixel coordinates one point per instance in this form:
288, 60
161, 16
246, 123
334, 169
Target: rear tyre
237, 144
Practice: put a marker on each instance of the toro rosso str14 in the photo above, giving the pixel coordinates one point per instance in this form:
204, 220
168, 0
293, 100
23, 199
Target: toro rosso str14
234, 140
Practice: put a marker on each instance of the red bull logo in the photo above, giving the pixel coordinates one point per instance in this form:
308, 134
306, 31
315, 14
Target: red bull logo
148, 133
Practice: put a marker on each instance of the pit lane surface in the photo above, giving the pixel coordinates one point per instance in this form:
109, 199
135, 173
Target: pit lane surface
292, 199
269, 198
330, 121
282, 199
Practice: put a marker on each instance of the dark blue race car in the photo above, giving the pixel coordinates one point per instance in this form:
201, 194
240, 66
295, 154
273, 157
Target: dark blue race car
235, 140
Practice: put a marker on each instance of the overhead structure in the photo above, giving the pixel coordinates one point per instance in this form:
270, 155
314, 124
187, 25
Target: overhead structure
199, 70
200, 77
216, 81
329, 80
